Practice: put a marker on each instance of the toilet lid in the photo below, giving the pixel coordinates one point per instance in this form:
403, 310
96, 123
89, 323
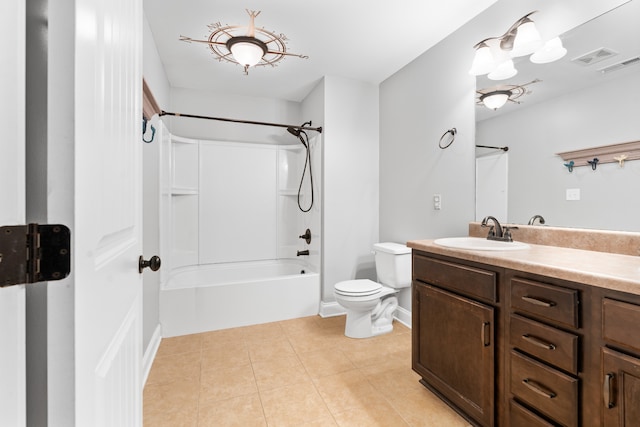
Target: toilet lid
360, 287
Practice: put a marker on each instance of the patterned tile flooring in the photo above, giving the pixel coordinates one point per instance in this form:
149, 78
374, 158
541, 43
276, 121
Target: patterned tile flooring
299, 372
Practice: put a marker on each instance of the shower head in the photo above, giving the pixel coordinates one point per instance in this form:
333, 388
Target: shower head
294, 131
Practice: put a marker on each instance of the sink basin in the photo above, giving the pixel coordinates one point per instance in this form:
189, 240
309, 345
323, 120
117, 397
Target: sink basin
479, 244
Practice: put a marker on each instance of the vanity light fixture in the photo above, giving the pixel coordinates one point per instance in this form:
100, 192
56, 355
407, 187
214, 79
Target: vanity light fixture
494, 55
496, 97
241, 45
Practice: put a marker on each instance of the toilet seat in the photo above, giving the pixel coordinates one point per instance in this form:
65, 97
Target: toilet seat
358, 288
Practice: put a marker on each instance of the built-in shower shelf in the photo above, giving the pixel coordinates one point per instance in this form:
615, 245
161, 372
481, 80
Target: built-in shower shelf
183, 191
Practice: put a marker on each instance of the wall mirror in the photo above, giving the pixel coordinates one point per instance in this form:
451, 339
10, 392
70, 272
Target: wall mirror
575, 105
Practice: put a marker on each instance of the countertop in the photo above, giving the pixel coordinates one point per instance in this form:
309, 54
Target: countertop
605, 270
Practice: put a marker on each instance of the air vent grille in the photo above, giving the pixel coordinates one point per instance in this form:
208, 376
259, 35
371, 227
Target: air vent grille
620, 65
594, 56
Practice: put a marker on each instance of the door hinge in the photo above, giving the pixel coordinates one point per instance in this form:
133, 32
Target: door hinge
34, 253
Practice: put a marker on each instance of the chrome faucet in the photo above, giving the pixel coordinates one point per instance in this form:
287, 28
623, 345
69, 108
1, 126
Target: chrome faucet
496, 231
533, 219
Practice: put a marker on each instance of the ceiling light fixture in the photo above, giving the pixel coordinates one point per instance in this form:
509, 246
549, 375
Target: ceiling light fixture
496, 97
239, 44
494, 55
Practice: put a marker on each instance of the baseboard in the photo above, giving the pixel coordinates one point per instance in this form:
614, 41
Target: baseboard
403, 316
331, 309
150, 353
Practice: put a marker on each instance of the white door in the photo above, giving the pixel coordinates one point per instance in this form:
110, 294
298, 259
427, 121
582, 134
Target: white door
12, 207
491, 186
107, 231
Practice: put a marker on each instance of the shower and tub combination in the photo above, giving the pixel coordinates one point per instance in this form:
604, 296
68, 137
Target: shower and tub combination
240, 227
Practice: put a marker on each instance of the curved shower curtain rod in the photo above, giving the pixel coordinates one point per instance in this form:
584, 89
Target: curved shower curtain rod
249, 122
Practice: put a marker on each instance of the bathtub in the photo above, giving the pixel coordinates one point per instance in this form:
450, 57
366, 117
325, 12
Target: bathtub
220, 296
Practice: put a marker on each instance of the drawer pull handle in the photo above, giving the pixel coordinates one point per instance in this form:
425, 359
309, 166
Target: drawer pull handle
535, 387
486, 334
607, 392
538, 301
538, 342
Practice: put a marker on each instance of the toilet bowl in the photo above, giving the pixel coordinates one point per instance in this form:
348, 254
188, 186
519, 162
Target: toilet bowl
370, 306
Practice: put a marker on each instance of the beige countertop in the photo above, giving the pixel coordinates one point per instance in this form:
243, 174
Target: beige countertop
606, 270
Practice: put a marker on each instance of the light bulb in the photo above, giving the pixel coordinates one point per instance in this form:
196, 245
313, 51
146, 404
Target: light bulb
551, 51
483, 62
247, 54
527, 39
495, 99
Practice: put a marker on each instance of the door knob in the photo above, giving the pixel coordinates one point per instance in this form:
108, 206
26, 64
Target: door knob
153, 263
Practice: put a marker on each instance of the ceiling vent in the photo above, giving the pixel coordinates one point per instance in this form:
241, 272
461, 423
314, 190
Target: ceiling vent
620, 65
594, 56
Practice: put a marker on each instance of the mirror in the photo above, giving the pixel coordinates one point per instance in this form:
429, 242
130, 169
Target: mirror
574, 106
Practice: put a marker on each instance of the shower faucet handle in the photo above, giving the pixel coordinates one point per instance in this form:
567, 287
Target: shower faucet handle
306, 236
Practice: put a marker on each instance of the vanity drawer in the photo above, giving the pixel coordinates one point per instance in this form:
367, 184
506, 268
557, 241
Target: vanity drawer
470, 281
621, 323
549, 391
519, 416
553, 303
552, 345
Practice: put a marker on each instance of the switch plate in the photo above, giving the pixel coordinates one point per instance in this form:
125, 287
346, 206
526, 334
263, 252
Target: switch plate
437, 202
573, 194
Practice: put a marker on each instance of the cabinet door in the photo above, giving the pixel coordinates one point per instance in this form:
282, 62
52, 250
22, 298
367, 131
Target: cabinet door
620, 389
454, 350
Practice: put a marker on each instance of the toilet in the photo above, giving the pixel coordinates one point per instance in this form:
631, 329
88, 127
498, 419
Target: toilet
370, 305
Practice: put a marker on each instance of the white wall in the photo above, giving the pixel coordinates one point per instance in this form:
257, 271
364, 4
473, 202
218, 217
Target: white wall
350, 189
205, 103
153, 69
418, 104
537, 178
424, 99
156, 78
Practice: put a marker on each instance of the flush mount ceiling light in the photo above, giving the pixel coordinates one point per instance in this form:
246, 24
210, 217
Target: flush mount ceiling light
494, 55
495, 97
247, 46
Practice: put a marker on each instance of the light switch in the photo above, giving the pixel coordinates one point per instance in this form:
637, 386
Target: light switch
573, 194
437, 202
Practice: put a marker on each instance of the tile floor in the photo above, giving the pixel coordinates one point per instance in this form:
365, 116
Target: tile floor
300, 372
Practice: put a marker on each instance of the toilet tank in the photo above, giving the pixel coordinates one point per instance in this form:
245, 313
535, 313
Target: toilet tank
393, 264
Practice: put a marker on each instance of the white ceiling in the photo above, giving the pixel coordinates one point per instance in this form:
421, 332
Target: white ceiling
363, 40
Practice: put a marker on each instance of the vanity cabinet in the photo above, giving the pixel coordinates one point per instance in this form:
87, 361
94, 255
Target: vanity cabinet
620, 362
507, 347
454, 330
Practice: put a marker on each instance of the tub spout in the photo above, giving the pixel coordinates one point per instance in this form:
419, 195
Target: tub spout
305, 252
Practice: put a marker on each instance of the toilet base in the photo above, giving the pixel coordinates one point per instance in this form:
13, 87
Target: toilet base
367, 324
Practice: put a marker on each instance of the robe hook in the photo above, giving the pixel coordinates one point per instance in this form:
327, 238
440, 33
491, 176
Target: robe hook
570, 165
593, 163
144, 130
621, 158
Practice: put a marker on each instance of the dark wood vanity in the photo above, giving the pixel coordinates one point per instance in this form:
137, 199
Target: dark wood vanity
507, 346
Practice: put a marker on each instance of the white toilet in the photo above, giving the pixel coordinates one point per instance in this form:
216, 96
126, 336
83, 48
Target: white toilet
370, 306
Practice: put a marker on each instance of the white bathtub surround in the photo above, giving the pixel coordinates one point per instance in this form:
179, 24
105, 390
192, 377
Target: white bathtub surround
220, 296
